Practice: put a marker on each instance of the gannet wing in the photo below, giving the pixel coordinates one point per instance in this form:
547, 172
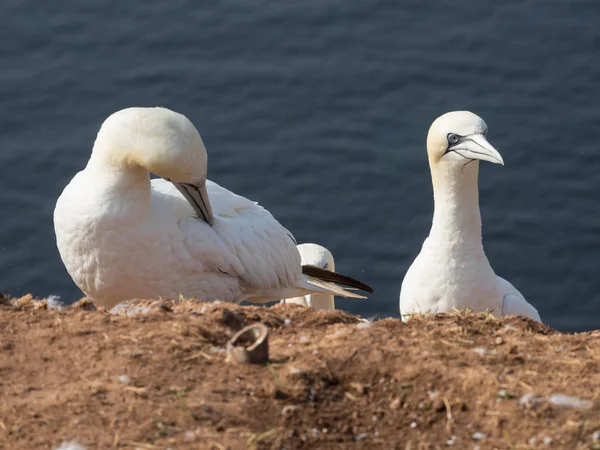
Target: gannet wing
247, 244
246, 241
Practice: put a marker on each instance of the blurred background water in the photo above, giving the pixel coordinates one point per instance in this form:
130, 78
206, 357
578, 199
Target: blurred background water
319, 110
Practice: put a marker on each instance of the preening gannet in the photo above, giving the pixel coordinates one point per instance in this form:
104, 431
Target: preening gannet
318, 256
452, 271
122, 236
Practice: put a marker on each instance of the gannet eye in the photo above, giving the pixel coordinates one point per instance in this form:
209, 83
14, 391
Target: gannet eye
452, 138
326, 266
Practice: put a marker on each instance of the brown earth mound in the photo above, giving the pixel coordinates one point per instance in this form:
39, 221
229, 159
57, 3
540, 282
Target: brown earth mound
154, 376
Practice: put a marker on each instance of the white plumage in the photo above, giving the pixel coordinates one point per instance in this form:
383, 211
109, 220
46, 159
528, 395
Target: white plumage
452, 270
122, 236
315, 255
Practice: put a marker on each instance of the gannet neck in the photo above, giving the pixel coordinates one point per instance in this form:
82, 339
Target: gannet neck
322, 301
126, 189
456, 217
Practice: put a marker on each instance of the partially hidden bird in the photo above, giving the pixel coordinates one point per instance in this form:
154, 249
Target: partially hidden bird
319, 256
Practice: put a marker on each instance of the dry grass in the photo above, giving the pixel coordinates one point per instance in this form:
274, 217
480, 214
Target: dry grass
154, 377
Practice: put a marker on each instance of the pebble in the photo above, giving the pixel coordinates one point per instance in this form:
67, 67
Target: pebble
451, 441
395, 404
287, 321
505, 395
124, 379
478, 436
596, 436
361, 436
531, 399
569, 402
72, 445
413, 425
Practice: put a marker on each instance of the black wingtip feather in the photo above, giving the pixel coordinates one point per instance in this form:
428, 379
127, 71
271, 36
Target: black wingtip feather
333, 277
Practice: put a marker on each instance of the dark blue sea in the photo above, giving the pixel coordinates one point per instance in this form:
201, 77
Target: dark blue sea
318, 109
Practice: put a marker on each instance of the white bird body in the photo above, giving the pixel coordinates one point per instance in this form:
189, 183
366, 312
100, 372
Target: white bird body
452, 271
122, 236
319, 256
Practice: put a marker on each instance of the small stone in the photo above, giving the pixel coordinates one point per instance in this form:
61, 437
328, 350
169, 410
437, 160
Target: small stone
505, 394
547, 440
567, 401
124, 379
478, 436
287, 321
499, 341
596, 436
413, 425
71, 445
451, 441
361, 436
395, 404
531, 399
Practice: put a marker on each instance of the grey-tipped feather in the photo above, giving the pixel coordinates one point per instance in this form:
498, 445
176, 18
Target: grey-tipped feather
313, 285
333, 277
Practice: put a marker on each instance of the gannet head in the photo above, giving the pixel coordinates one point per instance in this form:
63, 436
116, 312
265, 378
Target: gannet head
316, 255
459, 137
319, 256
162, 142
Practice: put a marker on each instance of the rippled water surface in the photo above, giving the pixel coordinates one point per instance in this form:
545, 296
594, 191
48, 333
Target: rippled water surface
319, 110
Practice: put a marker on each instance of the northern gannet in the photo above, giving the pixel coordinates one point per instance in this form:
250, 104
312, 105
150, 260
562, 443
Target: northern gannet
319, 256
452, 271
123, 236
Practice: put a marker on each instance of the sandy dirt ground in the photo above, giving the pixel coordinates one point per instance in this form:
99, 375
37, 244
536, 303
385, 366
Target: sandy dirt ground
155, 376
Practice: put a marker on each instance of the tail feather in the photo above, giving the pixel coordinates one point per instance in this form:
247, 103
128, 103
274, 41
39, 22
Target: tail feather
313, 279
333, 277
325, 287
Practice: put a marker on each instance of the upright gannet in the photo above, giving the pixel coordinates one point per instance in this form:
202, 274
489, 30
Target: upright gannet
318, 256
452, 271
122, 236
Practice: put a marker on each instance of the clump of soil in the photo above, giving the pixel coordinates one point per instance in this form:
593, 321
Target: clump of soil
154, 376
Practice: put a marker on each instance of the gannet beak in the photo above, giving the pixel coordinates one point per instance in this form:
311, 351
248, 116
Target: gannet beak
197, 196
476, 146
